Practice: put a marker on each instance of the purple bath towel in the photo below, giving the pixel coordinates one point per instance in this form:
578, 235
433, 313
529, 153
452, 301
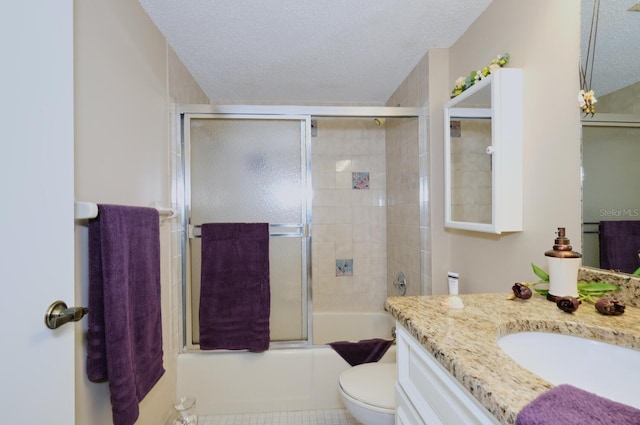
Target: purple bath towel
364, 351
568, 405
235, 297
124, 339
619, 245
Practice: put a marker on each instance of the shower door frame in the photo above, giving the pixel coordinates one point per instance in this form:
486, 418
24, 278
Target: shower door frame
275, 112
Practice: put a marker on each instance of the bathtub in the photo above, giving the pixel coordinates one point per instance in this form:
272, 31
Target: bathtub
279, 379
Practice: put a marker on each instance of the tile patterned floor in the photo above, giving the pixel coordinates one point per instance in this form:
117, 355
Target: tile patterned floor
313, 417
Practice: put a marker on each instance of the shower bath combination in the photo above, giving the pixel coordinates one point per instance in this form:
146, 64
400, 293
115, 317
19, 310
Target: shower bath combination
242, 165
282, 378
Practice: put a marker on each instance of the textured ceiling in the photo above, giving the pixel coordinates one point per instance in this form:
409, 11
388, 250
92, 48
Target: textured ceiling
335, 51
617, 51
307, 50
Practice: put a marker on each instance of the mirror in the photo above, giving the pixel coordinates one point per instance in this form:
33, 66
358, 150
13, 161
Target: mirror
611, 139
472, 163
469, 159
483, 155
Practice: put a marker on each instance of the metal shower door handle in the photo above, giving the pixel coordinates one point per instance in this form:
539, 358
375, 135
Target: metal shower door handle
58, 314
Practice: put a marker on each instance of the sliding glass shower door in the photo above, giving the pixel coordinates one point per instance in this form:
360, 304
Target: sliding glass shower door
252, 169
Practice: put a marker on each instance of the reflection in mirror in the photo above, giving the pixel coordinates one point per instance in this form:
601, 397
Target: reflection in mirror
471, 170
611, 139
610, 201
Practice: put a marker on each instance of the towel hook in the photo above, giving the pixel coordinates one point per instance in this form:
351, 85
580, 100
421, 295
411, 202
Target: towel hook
58, 314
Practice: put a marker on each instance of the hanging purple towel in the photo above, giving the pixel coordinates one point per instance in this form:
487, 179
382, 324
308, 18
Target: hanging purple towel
619, 245
363, 351
568, 405
235, 298
124, 339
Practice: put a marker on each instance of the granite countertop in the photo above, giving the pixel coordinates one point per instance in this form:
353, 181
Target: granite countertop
464, 341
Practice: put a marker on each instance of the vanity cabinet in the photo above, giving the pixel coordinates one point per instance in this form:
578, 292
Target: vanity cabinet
427, 394
483, 155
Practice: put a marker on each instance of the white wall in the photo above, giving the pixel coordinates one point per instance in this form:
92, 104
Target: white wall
543, 39
126, 81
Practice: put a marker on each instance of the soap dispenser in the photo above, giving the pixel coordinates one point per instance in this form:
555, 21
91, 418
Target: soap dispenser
563, 265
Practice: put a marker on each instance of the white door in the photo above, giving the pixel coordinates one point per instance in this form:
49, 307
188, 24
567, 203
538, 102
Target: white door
36, 209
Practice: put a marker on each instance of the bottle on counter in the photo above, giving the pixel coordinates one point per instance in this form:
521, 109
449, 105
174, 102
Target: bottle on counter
563, 265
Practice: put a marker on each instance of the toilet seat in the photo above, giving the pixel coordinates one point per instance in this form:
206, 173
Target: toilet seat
371, 386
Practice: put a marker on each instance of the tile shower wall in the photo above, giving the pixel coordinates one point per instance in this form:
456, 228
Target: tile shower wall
349, 224
403, 211
409, 216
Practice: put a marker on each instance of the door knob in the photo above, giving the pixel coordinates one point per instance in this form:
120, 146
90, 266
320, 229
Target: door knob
58, 314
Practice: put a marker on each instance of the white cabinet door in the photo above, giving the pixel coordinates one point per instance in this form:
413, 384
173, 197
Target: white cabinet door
405, 412
483, 155
436, 396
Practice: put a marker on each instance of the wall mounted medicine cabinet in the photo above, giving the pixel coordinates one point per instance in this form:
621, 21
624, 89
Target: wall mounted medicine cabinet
483, 155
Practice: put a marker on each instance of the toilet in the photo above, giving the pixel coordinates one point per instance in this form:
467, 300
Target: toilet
368, 392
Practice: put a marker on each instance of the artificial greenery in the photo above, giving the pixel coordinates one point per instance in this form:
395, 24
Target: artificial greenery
463, 83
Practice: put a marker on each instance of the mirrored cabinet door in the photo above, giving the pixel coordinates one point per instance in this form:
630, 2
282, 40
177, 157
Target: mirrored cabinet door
483, 155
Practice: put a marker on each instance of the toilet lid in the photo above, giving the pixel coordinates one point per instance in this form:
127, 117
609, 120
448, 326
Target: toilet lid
371, 383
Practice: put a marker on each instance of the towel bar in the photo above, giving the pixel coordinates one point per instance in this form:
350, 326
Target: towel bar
590, 223
302, 230
87, 210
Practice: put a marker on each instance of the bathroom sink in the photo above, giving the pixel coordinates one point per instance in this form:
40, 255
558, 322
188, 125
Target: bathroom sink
605, 369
